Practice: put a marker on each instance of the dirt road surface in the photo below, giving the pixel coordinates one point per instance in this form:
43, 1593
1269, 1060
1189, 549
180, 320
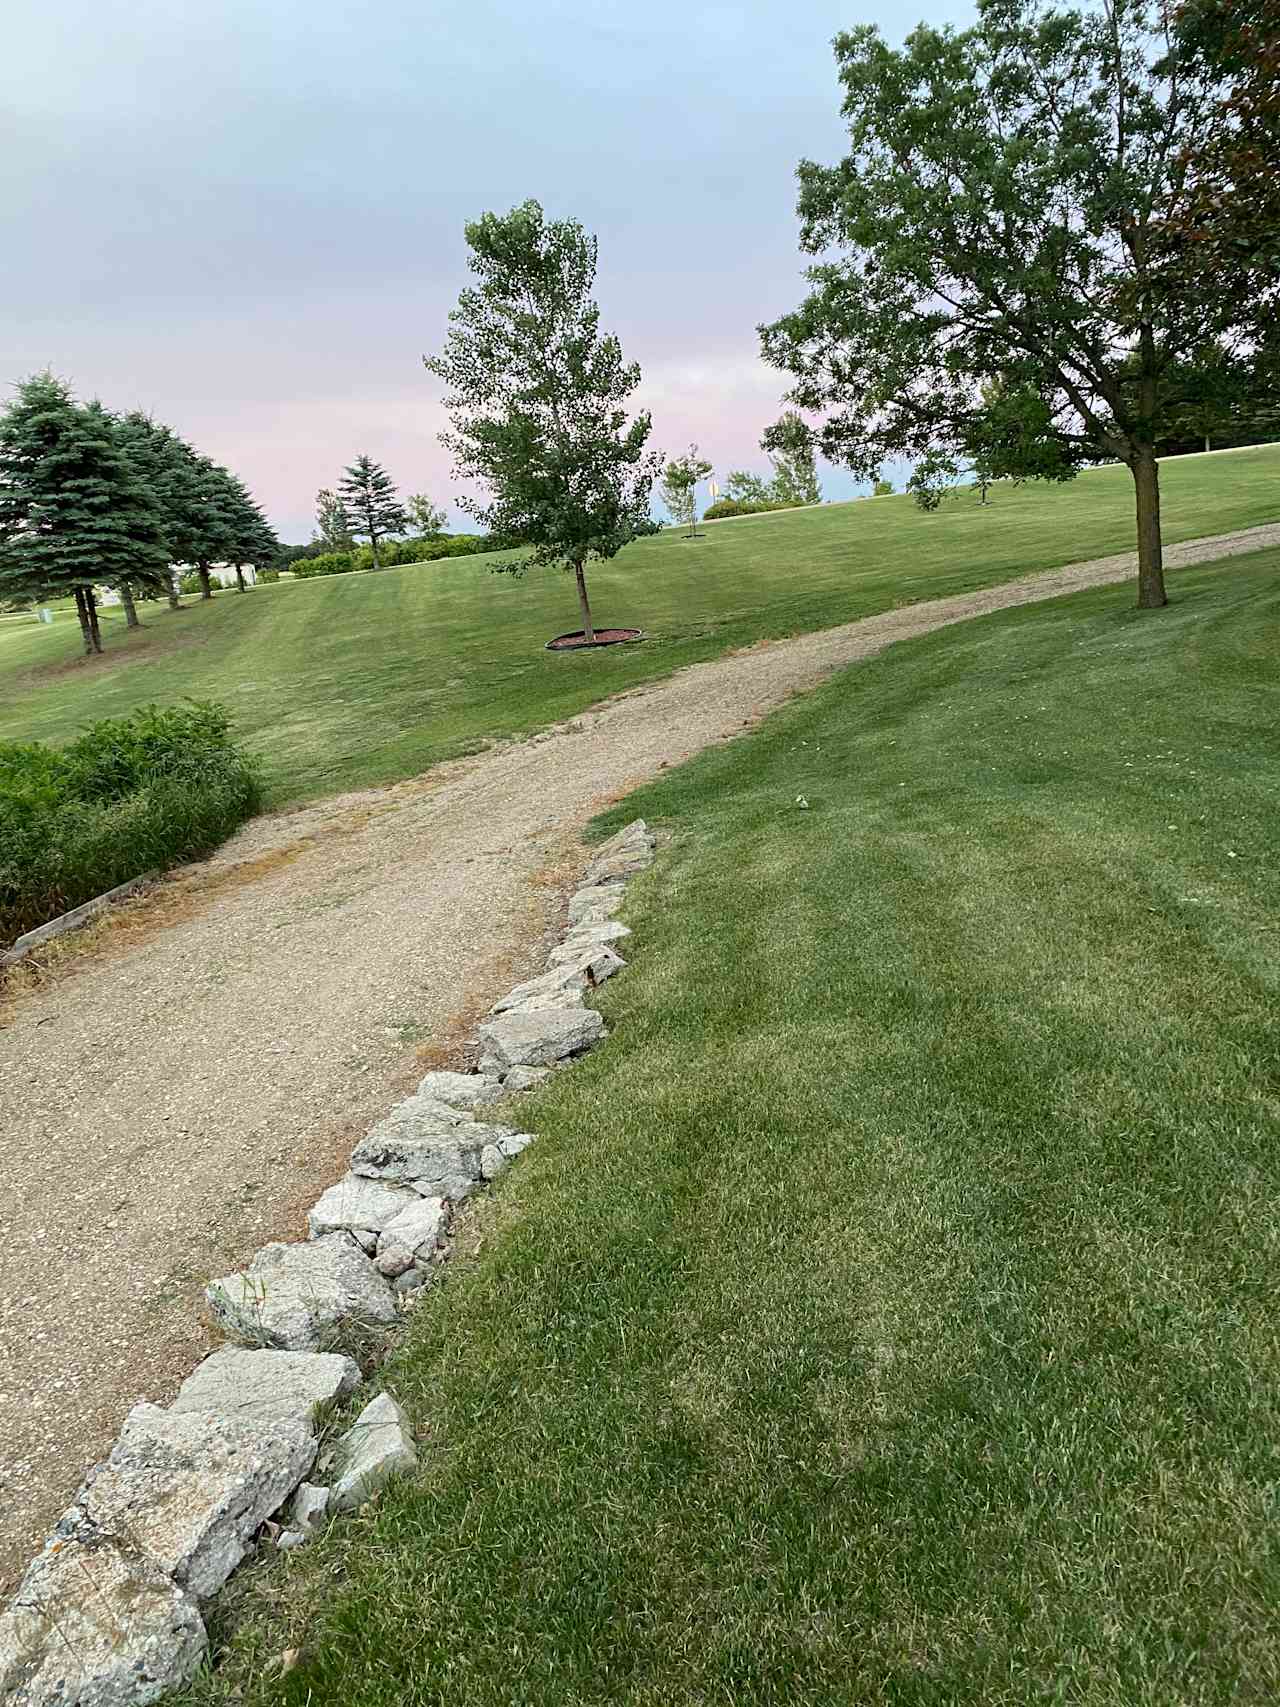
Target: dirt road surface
174, 1099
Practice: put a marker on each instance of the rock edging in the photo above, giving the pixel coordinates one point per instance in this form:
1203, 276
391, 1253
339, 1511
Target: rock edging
108, 1613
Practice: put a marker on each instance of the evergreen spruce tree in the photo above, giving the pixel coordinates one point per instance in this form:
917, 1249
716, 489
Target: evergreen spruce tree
73, 512
370, 503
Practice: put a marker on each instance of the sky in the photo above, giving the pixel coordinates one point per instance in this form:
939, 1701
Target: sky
247, 217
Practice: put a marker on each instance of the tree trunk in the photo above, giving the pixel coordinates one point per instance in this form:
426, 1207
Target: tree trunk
239, 579
86, 632
373, 547
1146, 483
130, 609
1207, 445
91, 605
584, 604
173, 591
202, 570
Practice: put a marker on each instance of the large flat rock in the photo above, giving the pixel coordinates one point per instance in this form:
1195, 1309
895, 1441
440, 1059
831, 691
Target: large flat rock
592, 965
611, 932
292, 1296
266, 1386
541, 1037
434, 1164
189, 1490
460, 1090
355, 1205
94, 1624
595, 904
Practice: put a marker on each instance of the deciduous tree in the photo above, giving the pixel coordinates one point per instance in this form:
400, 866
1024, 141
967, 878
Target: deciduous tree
679, 487
427, 518
1004, 214
537, 396
333, 526
795, 471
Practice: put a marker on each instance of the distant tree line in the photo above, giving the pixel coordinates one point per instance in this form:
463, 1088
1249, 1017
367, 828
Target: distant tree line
89, 498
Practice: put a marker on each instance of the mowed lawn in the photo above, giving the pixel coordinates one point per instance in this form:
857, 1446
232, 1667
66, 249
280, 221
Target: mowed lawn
887, 1312
364, 679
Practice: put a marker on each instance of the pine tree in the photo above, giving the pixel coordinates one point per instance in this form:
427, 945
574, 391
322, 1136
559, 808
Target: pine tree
73, 512
370, 503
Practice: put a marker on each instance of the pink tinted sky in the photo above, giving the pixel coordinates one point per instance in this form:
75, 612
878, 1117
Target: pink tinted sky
249, 221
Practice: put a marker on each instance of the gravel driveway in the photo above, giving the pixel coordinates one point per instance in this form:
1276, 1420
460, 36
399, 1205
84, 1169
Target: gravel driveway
171, 1103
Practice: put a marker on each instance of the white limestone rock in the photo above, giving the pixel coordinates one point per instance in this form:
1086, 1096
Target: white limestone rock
540, 1037
618, 866
394, 1261
189, 1490
357, 1206
266, 1386
379, 1444
584, 971
419, 1229
461, 1090
634, 834
608, 934
524, 1079
596, 904
307, 1511
292, 1296
94, 1624
511, 1147
434, 1164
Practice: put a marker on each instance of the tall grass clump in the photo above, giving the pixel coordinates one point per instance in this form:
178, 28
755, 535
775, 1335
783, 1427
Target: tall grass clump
132, 794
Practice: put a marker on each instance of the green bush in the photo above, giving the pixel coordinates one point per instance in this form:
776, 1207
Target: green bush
392, 553
266, 576
741, 507
132, 794
191, 584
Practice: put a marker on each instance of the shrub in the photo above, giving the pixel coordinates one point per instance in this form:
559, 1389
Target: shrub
191, 584
266, 576
327, 563
132, 794
742, 507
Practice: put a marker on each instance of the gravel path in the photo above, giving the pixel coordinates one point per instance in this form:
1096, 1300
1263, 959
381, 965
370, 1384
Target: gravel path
170, 1103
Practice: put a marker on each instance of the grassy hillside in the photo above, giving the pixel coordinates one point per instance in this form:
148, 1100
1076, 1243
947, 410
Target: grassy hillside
886, 1313
367, 678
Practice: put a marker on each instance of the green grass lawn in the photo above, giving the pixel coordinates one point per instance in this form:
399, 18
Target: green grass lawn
364, 679
887, 1313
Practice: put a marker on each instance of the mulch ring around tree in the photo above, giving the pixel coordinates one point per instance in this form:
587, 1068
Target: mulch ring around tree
604, 637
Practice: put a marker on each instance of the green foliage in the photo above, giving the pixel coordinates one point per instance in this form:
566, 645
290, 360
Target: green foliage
73, 511
741, 487
882, 489
370, 504
795, 470
333, 527
537, 397
424, 516
391, 554
132, 794
742, 507
997, 222
190, 583
679, 487
267, 576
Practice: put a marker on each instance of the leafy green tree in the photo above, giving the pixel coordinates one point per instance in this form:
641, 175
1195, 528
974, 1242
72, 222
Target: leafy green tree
882, 489
1001, 216
740, 487
679, 488
370, 503
537, 398
73, 512
795, 470
427, 520
333, 526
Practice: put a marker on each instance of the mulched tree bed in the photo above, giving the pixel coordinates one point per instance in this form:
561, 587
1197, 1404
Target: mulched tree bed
604, 637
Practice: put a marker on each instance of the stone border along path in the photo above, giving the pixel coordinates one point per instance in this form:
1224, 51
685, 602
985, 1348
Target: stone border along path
108, 1614
241, 1014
